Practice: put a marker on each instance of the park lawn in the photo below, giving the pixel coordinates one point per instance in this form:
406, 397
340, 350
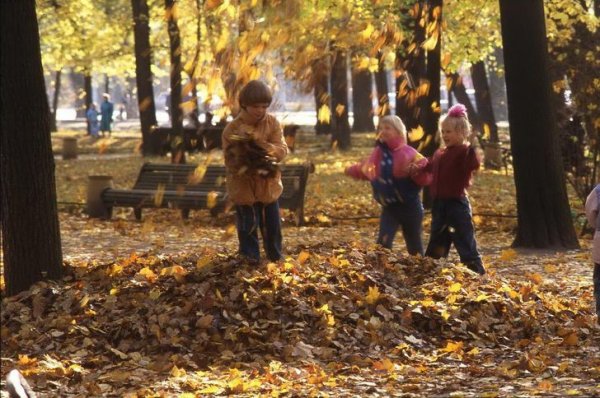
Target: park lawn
162, 307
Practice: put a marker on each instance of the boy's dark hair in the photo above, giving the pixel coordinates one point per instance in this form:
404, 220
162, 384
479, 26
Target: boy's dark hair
255, 92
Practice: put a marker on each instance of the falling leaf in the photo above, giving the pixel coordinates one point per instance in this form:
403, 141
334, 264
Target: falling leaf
158, 196
416, 134
211, 199
324, 114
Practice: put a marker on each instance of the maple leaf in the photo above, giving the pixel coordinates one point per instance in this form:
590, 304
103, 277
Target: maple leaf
373, 295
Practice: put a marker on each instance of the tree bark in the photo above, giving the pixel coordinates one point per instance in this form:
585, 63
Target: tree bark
143, 73
408, 102
177, 147
87, 86
455, 86
498, 88
383, 100
30, 229
106, 84
320, 75
544, 216
53, 125
432, 106
339, 98
483, 99
362, 87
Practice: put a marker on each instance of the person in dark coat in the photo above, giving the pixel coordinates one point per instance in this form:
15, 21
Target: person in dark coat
106, 111
92, 119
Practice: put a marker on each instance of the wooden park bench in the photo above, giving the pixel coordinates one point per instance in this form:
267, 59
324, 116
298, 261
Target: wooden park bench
203, 138
182, 186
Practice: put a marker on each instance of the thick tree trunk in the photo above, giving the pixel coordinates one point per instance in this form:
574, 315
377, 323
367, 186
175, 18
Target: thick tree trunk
77, 85
362, 88
455, 86
383, 100
106, 84
544, 216
30, 230
432, 106
339, 99
53, 125
177, 146
87, 86
498, 88
320, 75
143, 73
483, 100
408, 101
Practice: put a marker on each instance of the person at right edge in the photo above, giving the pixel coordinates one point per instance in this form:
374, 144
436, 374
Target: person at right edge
254, 182
452, 167
592, 211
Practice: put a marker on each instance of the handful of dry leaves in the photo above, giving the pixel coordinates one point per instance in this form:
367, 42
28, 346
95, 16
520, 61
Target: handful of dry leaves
248, 157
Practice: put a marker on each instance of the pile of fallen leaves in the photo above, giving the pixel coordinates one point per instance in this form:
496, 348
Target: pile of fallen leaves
345, 304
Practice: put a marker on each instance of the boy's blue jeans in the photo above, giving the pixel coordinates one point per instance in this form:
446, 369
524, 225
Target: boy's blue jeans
408, 216
266, 218
451, 222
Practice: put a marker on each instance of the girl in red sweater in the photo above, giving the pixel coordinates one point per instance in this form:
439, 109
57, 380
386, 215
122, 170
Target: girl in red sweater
452, 167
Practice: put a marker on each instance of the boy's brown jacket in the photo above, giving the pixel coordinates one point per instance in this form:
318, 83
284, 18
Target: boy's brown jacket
246, 189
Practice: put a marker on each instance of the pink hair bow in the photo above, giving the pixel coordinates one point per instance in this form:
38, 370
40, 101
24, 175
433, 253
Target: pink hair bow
458, 110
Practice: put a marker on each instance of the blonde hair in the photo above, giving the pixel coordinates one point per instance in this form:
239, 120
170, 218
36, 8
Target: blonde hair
394, 122
457, 123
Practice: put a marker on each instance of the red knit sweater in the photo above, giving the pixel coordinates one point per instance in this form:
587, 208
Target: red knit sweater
452, 169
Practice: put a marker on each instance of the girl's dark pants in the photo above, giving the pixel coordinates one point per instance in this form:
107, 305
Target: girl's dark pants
251, 218
451, 222
408, 216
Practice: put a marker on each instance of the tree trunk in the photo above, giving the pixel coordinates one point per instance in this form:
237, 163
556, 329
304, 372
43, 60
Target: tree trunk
320, 75
431, 108
362, 87
87, 86
177, 147
498, 88
483, 100
106, 84
383, 101
455, 86
143, 73
339, 100
53, 125
544, 216
30, 230
78, 86
413, 64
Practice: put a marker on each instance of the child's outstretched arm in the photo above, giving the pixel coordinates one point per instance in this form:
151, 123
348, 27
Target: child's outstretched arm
360, 171
419, 171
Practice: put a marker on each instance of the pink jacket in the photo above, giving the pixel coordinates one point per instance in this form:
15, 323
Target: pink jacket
403, 156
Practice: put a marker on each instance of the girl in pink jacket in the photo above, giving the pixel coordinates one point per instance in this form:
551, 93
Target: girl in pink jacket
396, 173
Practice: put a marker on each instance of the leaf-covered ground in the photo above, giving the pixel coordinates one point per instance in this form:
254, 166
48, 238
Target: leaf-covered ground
163, 307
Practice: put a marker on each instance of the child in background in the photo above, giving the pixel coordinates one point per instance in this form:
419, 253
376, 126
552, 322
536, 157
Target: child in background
592, 211
452, 167
92, 119
395, 170
253, 191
